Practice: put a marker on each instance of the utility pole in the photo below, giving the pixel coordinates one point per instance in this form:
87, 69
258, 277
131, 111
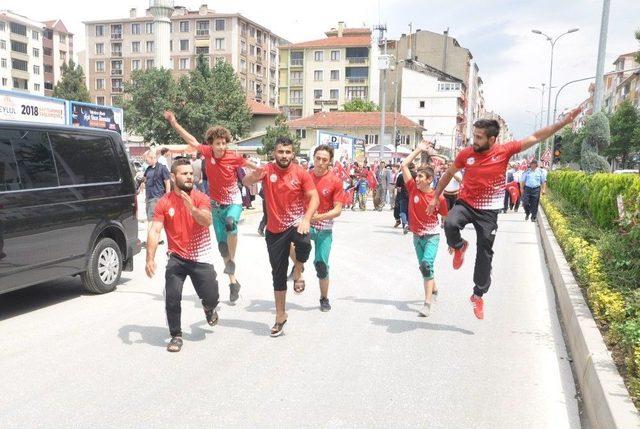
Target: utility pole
602, 50
383, 66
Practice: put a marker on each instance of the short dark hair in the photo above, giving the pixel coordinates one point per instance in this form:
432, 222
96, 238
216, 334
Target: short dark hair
533, 161
284, 141
326, 148
163, 151
490, 126
178, 162
427, 171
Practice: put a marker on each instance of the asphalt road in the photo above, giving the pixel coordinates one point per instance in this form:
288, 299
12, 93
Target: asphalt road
70, 359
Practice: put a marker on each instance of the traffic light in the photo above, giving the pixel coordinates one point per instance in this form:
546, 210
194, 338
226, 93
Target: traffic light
557, 148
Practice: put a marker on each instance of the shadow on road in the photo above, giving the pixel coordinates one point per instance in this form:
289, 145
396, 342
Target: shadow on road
396, 326
262, 306
158, 336
400, 305
256, 328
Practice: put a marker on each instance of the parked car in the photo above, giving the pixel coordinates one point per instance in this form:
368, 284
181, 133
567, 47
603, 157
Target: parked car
625, 172
67, 206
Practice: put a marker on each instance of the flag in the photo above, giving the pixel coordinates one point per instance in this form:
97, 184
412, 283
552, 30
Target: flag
371, 180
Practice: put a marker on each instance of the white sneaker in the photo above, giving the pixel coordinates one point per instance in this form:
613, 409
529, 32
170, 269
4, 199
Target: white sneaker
425, 311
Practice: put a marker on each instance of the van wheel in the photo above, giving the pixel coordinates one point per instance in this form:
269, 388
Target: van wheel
104, 267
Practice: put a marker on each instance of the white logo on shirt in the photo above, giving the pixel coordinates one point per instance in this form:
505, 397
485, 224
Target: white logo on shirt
273, 178
213, 161
494, 158
471, 160
416, 199
171, 212
325, 192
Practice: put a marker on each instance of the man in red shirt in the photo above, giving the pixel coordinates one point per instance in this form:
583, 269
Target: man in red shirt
331, 196
185, 215
288, 188
481, 196
220, 166
425, 226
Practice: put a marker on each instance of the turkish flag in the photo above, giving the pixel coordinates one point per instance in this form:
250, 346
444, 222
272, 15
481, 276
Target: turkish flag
514, 191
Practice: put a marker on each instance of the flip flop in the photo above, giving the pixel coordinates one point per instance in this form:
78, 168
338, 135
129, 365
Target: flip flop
298, 286
277, 329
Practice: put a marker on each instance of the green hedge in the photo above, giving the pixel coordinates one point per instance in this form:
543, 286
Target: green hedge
596, 194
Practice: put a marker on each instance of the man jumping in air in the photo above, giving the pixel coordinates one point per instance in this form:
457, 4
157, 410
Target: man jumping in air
481, 196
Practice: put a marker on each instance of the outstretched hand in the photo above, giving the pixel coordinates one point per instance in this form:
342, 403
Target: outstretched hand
572, 115
169, 116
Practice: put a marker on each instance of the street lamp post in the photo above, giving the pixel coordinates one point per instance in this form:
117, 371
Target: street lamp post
552, 41
541, 89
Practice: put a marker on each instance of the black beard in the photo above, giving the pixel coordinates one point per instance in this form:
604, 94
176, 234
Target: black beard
283, 163
187, 187
481, 149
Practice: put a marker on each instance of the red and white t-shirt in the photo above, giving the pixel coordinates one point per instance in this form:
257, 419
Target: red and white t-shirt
484, 175
330, 192
420, 222
221, 174
187, 238
284, 193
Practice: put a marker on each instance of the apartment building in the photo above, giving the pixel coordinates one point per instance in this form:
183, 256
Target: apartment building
115, 48
21, 53
57, 49
321, 75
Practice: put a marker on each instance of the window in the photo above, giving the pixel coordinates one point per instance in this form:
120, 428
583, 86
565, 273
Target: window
18, 47
3, 63
318, 55
100, 100
170, 45
135, 46
99, 30
96, 164
48, 68
334, 94
135, 28
184, 45
48, 85
36, 69
252, 32
335, 74
449, 86
252, 67
36, 87
317, 75
19, 65
301, 133
357, 74
3, 44
99, 84
18, 28
99, 48
27, 160
219, 44
296, 78
297, 58
2, 26
35, 35
243, 47
135, 64
63, 38
116, 67
99, 66
5, 82
116, 85
20, 83
148, 28
204, 50
353, 92
36, 52
421, 104
317, 94
184, 26
243, 65
150, 64
184, 63
116, 49
371, 139
421, 122
149, 46
220, 24
202, 28
252, 50
295, 96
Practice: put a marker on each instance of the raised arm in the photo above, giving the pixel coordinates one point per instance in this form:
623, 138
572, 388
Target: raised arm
442, 183
422, 147
254, 177
188, 138
547, 132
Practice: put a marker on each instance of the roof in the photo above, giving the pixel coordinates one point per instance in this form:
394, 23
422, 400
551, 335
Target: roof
333, 41
349, 31
630, 54
258, 108
343, 119
57, 25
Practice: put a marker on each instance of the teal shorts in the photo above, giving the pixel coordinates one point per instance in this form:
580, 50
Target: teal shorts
220, 215
322, 245
426, 249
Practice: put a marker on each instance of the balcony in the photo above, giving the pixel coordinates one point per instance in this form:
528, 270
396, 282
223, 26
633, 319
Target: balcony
259, 42
295, 101
297, 63
116, 89
330, 102
356, 80
116, 72
296, 82
357, 60
202, 32
259, 60
116, 36
116, 53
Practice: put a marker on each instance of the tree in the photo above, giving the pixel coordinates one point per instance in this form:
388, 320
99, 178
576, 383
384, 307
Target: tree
149, 94
71, 85
597, 138
360, 105
625, 132
571, 144
229, 101
281, 129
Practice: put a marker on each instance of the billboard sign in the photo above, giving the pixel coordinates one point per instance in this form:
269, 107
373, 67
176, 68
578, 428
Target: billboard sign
15, 106
96, 116
343, 145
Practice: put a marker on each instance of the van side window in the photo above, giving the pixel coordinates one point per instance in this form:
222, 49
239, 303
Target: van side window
83, 159
31, 164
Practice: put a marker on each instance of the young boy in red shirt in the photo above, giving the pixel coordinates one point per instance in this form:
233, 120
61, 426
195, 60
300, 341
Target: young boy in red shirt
425, 227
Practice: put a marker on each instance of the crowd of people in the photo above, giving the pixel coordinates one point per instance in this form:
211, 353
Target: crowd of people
301, 202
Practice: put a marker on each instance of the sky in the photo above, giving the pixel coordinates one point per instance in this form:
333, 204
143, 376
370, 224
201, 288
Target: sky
497, 32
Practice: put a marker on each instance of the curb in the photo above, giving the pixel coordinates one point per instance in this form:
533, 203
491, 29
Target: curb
605, 398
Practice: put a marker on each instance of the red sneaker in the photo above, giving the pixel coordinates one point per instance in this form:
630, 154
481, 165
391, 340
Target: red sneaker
478, 306
458, 255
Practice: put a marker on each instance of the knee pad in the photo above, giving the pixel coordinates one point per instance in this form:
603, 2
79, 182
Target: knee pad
322, 271
425, 270
223, 247
229, 224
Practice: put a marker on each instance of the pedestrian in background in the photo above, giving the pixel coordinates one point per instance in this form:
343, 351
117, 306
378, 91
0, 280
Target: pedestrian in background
532, 183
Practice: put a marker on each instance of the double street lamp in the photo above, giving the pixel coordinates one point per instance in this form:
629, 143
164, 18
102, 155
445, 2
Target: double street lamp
541, 89
552, 41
